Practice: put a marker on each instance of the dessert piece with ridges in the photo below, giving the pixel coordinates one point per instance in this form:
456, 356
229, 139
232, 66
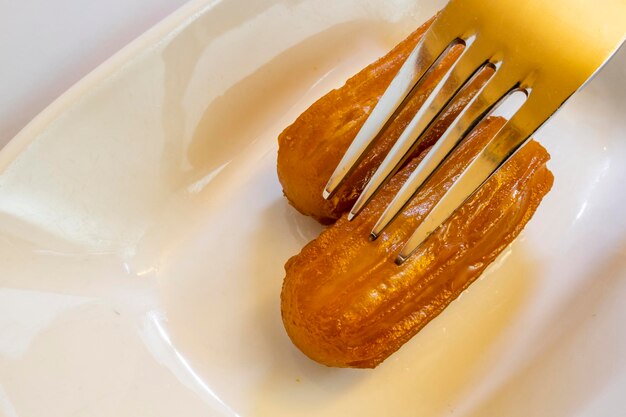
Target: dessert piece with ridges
346, 303
310, 149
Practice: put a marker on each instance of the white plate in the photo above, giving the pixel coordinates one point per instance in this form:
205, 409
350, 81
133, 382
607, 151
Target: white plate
143, 236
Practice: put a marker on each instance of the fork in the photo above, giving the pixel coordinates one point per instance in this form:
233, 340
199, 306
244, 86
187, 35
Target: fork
546, 50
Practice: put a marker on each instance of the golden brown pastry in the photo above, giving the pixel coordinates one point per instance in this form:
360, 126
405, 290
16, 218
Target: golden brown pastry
321, 135
346, 303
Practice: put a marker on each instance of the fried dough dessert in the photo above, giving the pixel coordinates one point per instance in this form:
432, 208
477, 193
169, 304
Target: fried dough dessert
321, 135
345, 302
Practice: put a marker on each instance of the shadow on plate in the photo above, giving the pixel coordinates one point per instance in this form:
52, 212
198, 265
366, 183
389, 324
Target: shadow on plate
236, 118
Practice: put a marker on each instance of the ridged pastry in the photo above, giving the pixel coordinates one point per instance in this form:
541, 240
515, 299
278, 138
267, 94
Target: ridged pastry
346, 303
321, 135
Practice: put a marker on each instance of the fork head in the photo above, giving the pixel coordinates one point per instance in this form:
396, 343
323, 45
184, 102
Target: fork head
548, 50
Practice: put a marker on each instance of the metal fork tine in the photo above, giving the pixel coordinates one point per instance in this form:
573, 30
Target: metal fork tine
499, 149
481, 105
458, 76
432, 45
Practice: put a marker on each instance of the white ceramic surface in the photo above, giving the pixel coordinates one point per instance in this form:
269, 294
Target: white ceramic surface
46, 46
143, 236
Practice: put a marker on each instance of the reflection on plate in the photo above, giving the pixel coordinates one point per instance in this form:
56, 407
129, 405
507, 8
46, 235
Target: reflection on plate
143, 236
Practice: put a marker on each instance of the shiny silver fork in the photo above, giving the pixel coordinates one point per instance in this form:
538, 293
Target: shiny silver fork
545, 49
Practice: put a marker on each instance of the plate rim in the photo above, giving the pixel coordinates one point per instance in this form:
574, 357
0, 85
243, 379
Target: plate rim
167, 27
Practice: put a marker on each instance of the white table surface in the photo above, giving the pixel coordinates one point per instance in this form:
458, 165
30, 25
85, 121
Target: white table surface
47, 46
